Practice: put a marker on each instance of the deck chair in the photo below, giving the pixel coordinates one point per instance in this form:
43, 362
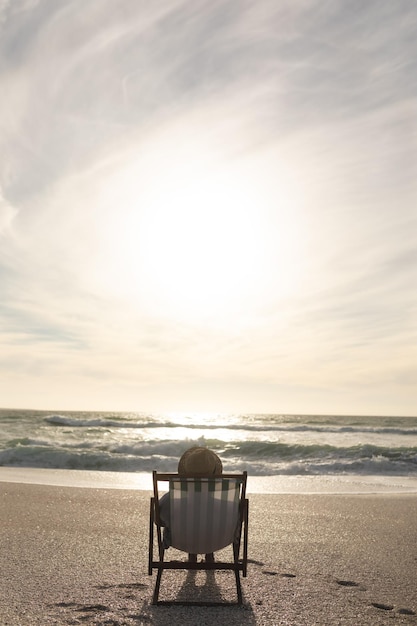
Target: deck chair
206, 515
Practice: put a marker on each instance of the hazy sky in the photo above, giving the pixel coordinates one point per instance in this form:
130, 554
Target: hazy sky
209, 205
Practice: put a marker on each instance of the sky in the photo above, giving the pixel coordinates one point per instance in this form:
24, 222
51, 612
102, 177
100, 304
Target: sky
209, 205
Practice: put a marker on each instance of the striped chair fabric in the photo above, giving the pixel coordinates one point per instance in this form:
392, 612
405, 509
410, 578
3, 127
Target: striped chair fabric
204, 513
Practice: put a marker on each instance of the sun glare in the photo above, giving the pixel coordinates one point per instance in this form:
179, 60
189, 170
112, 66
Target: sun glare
198, 238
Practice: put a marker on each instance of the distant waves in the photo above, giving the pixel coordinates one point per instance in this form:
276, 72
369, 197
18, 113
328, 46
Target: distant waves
264, 445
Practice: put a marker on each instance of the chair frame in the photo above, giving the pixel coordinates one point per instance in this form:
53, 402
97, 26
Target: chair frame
237, 565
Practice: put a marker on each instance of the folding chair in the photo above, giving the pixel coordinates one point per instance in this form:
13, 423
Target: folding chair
206, 515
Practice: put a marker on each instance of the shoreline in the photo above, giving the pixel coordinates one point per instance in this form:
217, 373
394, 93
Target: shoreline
282, 484
79, 555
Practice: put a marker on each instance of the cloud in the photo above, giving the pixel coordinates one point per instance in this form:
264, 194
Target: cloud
117, 68
7, 215
308, 105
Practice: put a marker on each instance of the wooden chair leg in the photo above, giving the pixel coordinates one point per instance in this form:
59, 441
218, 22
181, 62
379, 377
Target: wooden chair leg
161, 552
151, 536
238, 587
245, 538
157, 586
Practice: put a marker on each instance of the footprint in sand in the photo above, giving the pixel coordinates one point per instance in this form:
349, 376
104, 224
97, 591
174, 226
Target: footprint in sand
389, 607
351, 584
93, 608
123, 586
347, 583
272, 573
383, 607
254, 562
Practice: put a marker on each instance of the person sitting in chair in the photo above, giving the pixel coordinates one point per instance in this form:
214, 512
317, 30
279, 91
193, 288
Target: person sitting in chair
195, 462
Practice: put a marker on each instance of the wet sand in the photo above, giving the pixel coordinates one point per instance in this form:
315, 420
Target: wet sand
79, 556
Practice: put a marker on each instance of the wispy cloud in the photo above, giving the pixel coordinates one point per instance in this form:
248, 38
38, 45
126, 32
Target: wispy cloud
116, 112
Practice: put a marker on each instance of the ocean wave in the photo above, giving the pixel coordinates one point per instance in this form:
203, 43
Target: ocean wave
258, 458
262, 445
120, 422
265, 450
252, 450
76, 422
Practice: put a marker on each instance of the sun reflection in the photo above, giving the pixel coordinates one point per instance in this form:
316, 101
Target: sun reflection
185, 418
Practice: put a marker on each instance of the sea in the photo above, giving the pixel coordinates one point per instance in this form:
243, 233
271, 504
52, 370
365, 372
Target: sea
281, 453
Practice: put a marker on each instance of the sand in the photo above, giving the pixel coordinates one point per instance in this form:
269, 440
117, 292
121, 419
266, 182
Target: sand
79, 556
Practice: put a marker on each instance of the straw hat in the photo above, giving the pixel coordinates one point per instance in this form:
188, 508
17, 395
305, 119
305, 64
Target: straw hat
200, 461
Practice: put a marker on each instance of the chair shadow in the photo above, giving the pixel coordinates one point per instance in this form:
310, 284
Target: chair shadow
123, 603
207, 593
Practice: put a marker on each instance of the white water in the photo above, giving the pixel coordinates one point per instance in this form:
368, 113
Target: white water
281, 453
346, 484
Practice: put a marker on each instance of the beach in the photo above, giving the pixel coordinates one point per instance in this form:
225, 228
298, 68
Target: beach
79, 556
